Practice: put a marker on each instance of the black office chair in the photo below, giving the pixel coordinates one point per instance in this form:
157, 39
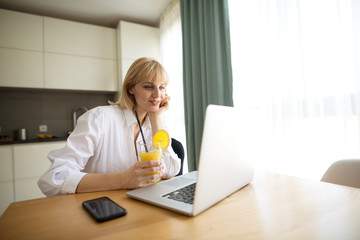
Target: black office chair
179, 150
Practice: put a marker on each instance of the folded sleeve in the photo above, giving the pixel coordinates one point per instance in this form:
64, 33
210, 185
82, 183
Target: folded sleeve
65, 172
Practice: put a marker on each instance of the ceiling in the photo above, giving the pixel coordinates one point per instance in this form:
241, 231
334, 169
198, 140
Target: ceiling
106, 13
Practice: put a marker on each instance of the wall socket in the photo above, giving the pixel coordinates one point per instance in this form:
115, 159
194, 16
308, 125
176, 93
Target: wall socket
42, 128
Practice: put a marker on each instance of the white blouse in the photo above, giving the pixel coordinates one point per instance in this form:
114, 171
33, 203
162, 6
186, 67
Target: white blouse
102, 142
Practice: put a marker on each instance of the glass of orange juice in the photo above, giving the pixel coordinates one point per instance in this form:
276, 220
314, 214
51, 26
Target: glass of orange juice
149, 151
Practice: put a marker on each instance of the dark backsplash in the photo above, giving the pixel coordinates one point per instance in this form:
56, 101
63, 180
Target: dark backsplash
28, 108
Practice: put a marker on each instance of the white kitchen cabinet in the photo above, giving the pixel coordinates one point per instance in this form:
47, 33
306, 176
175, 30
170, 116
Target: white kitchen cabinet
74, 38
80, 73
43, 52
136, 41
79, 56
21, 166
30, 163
21, 68
7, 195
21, 50
21, 30
6, 163
6, 177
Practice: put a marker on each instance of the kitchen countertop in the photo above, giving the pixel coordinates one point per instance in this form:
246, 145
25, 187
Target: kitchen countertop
36, 140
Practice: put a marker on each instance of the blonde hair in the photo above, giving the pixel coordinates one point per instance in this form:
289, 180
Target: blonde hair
142, 69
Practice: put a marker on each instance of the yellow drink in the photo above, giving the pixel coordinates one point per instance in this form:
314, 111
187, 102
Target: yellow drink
150, 155
154, 155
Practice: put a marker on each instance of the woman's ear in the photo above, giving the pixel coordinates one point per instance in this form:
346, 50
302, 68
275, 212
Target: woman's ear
131, 90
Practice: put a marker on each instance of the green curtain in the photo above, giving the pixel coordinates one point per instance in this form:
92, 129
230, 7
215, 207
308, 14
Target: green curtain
207, 68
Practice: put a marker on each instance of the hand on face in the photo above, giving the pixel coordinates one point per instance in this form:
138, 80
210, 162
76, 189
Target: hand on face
164, 104
155, 116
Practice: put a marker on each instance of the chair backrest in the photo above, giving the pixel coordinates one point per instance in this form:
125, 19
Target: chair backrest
179, 150
344, 172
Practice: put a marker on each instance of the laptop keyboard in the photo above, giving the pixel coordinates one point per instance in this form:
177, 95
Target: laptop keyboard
185, 194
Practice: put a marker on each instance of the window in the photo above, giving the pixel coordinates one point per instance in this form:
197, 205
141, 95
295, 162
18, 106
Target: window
171, 51
296, 68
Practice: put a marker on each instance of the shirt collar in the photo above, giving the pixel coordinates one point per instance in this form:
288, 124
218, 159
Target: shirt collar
131, 119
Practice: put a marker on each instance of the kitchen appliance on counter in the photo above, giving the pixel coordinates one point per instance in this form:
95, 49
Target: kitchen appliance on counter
21, 134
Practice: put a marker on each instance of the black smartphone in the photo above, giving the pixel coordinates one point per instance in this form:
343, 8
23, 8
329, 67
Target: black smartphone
103, 209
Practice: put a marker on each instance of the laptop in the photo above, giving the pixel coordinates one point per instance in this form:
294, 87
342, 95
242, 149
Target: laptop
225, 166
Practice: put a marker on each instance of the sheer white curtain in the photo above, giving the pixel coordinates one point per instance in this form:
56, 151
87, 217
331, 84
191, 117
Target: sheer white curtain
171, 52
296, 68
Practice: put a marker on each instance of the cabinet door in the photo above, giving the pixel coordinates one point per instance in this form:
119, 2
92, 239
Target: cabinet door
125, 65
30, 163
21, 30
21, 68
135, 41
138, 41
27, 188
6, 177
6, 195
67, 37
81, 73
6, 163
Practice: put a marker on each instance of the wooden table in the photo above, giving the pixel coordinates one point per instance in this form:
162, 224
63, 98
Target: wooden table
273, 206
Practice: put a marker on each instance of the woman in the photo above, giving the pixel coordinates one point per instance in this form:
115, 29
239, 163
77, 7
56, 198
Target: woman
100, 154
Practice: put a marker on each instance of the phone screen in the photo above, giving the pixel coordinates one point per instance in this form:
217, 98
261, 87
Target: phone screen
103, 209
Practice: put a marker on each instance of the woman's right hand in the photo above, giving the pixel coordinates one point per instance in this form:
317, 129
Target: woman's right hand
137, 174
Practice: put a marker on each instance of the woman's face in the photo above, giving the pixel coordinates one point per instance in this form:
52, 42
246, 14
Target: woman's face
148, 95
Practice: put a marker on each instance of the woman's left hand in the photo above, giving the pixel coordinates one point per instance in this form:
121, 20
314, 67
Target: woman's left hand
164, 106
155, 117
